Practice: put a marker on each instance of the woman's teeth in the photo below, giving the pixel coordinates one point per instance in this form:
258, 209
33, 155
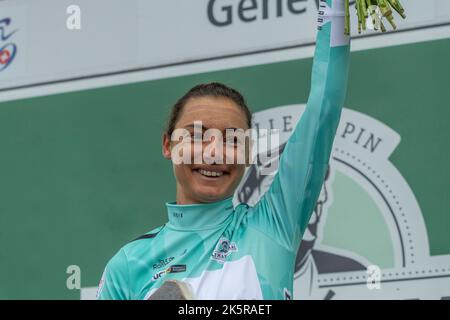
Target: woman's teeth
210, 173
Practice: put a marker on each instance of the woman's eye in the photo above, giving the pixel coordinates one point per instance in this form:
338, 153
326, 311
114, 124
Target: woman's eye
232, 141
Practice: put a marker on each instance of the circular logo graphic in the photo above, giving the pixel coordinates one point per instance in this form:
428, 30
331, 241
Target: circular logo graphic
367, 225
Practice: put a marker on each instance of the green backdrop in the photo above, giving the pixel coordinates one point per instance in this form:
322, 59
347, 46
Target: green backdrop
81, 173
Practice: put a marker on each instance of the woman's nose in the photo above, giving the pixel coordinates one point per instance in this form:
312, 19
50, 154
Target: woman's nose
213, 152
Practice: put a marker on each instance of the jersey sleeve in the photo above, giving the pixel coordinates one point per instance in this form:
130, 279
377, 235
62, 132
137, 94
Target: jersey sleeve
284, 210
114, 284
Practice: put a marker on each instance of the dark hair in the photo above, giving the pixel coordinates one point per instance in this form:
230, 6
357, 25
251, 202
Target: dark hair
212, 89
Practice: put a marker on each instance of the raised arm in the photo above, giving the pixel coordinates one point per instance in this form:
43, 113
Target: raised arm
285, 209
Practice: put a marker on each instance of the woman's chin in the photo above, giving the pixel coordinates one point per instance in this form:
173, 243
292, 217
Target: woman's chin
211, 195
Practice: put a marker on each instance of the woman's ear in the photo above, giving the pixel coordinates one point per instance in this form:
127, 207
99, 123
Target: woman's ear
166, 150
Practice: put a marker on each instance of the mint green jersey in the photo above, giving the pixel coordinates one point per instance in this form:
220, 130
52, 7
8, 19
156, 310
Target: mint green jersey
243, 252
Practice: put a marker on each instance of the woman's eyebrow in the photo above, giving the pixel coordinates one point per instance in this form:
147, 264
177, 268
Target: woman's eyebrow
194, 126
190, 126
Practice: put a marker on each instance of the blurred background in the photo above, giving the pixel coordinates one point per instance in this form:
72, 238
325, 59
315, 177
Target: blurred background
85, 89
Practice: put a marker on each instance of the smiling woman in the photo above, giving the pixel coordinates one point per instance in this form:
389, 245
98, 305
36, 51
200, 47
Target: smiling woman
236, 252
215, 107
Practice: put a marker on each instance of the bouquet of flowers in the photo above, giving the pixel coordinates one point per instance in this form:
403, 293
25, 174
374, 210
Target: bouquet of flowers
376, 10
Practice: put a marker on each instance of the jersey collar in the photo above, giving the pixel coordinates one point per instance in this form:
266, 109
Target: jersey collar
199, 216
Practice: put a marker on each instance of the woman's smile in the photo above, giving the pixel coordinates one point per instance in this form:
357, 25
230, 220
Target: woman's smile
218, 172
211, 172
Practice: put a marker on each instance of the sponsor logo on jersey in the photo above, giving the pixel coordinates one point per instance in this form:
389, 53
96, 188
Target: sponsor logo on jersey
223, 249
178, 215
162, 263
177, 268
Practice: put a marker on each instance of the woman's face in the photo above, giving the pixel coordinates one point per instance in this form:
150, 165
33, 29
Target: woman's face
200, 182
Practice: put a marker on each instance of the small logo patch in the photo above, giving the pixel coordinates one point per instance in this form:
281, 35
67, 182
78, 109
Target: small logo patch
176, 268
223, 249
162, 263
